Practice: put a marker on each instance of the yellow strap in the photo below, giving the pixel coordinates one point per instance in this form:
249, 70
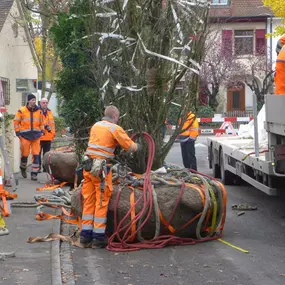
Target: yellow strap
2, 222
233, 246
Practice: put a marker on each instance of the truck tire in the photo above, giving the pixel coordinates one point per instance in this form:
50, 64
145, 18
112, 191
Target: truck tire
227, 177
215, 167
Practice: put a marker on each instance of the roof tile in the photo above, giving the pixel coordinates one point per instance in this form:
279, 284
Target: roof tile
5, 7
240, 8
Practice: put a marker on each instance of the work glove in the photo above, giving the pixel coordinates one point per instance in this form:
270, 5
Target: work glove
18, 134
47, 127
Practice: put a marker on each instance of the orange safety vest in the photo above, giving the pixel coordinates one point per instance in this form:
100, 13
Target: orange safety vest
191, 127
105, 136
49, 120
29, 123
279, 77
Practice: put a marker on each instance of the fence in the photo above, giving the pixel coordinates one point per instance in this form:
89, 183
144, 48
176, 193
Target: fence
238, 114
212, 125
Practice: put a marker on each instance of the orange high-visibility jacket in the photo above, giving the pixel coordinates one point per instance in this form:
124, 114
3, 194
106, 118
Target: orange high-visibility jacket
191, 127
29, 123
279, 77
49, 120
105, 136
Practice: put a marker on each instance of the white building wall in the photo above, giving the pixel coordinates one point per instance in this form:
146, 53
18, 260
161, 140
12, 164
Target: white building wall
272, 23
15, 62
248, 99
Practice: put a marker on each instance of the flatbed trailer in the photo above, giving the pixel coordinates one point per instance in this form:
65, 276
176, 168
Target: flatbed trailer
233, 158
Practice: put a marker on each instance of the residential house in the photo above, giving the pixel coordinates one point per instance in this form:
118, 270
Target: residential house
16, 66
242, 25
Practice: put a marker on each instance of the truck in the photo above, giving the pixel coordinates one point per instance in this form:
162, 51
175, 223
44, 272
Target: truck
236, 159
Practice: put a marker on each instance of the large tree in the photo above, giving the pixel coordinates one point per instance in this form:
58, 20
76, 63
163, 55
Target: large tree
39, 15
278, 8
134, 54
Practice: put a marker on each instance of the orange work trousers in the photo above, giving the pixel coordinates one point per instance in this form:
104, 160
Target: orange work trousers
26, 146
95, 206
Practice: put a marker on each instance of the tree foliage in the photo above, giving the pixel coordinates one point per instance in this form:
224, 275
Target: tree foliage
278, 8
134, 54
39, 17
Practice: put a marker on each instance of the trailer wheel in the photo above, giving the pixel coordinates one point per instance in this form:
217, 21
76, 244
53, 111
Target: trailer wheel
215, 167
227, 177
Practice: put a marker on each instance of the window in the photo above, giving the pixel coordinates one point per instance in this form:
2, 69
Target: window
219, 2
236, 100
26, 85
6, 90
244, 42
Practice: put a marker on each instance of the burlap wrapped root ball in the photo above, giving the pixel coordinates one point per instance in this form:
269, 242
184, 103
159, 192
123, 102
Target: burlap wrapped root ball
190, 205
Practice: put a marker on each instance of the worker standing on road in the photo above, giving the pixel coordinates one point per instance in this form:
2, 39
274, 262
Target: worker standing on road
187, 138
97, 186
49, 126
29, 127
279, 77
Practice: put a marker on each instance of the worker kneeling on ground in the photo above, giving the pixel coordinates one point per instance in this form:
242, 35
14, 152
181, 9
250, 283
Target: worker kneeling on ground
279, 77
29, 127
97, 185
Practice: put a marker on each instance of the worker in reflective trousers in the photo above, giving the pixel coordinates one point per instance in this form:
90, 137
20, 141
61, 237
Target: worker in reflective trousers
187, 138
279, 77
29, 127
97, 187
49, 126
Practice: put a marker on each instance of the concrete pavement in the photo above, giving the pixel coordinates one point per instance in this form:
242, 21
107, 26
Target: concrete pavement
262, 232
33, 262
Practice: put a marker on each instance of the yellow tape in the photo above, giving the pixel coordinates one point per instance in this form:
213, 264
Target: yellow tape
2, 222
233, 246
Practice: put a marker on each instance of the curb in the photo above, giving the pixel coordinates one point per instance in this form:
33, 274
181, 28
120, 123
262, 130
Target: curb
55, 255
66, 258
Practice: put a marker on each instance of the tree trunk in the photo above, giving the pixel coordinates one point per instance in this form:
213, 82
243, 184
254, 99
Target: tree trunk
53, 69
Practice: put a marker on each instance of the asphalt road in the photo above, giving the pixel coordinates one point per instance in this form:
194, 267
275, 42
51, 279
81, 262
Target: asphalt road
261, 232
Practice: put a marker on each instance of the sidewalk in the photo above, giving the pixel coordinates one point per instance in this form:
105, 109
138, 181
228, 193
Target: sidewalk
33, 262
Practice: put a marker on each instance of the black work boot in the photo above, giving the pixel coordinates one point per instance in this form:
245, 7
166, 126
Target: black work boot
24, 172
98, 243
85, 241
34, 177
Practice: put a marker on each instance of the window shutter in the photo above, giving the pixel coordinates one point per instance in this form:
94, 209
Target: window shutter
260, 42
227, 42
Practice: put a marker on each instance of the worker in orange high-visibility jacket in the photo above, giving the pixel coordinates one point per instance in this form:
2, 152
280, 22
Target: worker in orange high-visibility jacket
105, 135
29, 127
279, 77
49, 125
187, 138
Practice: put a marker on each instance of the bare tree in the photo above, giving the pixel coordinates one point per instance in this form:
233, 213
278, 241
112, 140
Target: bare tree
258, 76
219, 68
39, 16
